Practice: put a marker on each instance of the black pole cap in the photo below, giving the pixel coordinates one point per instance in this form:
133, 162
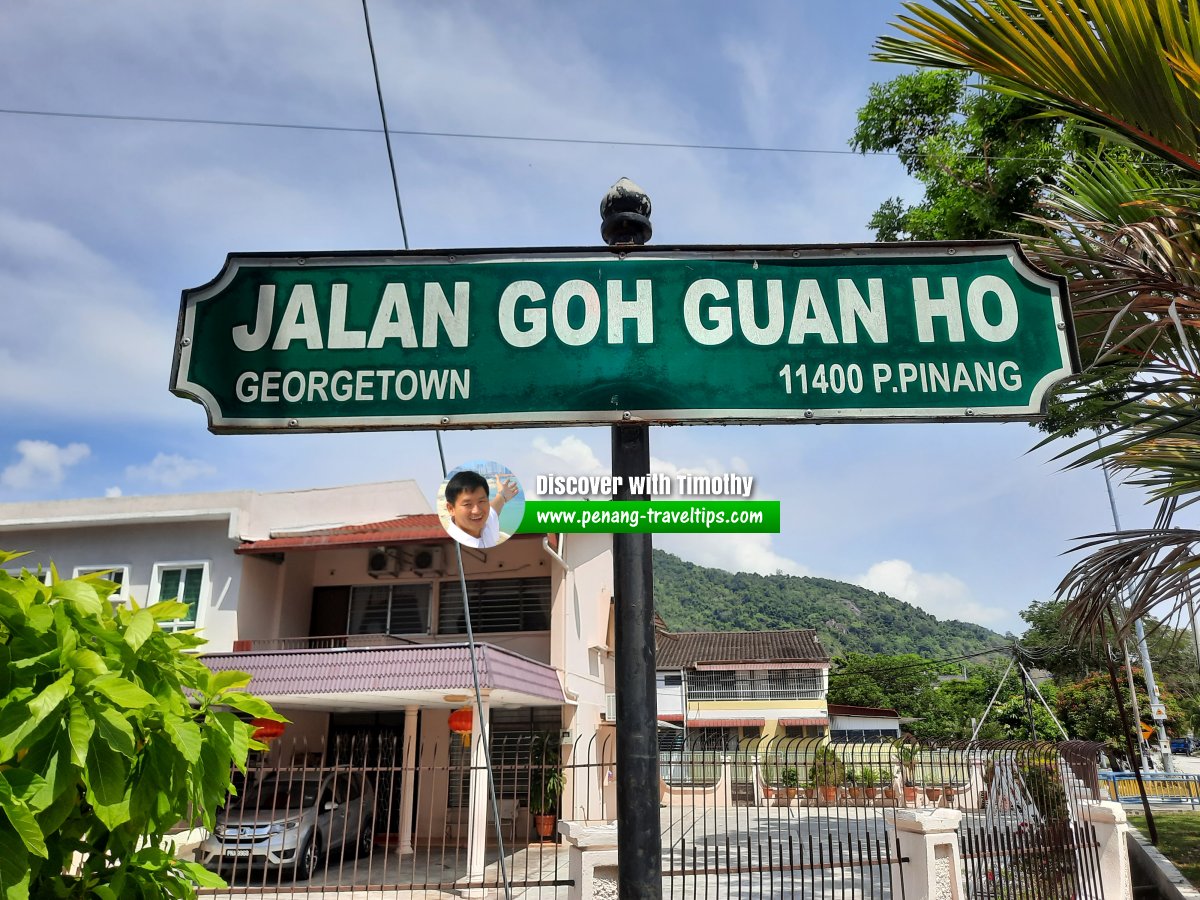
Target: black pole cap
625, 214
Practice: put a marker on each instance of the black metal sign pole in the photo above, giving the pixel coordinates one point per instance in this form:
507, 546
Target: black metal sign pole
625, 211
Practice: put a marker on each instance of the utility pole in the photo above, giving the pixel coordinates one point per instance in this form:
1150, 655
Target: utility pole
1164, 744
625, 213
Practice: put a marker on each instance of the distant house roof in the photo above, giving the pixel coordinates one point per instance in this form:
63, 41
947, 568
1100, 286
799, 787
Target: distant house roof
838, 709
407, 529
687, 649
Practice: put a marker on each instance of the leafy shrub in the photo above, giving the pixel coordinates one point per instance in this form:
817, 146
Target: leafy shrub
111, 733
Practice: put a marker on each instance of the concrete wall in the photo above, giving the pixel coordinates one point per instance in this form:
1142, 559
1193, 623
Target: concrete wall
580, 650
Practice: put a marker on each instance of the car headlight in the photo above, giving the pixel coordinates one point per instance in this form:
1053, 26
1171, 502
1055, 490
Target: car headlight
281, 827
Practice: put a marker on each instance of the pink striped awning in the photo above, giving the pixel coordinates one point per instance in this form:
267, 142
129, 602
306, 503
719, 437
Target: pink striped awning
713, 723
412, 669
811, 720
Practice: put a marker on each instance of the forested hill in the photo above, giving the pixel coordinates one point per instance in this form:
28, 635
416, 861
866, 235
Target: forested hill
847, 617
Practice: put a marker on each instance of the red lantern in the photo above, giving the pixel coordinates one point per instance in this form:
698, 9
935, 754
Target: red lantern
460, 723
266, 729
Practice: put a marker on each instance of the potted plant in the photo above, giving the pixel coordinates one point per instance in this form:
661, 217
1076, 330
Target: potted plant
827, 773
791, 783
856, 788
869, 779
934, 794
908, 765
545, 782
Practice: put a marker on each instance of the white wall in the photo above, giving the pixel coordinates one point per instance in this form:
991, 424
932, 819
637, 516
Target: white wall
141, 546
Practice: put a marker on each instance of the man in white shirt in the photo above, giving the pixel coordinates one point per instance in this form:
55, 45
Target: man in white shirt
474, 519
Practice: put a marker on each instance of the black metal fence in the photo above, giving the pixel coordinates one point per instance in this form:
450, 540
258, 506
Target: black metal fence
751, 817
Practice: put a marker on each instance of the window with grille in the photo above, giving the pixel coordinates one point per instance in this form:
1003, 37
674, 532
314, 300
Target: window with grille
182, 582
389, 609
858, 735
510, 742
497, 604
784, 684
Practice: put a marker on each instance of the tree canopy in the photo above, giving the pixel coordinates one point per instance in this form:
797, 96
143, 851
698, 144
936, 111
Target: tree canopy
1123, 231
982, 158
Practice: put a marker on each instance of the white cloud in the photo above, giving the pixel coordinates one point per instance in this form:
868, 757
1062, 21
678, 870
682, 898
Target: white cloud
570, 456
732, 552
113, 491
170, 470
42, 464
938, 593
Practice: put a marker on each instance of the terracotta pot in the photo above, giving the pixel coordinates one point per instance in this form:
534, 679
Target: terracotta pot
933, 794
810, 793
829, 793
889, 793
857, 793
792, 793
768, 793
872, 793
910, 794
544, 826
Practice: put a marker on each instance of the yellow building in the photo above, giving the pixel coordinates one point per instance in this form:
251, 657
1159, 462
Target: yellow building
717, 688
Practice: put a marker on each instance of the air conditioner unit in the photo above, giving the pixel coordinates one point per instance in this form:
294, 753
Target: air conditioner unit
383, 562
424, 558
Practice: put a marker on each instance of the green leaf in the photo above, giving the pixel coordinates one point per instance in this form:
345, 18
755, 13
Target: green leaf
185, 736
21, 818
251, 706
140, 627
122, 692
116, 731
107, 774
168, 610
238, 734
87, 661
223, 681
28, 787
79, 594
79, 727
49, 658
201, 876
14, 865
48, 700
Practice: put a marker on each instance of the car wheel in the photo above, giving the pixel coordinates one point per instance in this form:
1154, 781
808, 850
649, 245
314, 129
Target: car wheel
366, 839
308, 857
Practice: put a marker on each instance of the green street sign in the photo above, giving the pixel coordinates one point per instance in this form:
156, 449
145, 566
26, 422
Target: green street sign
461, 339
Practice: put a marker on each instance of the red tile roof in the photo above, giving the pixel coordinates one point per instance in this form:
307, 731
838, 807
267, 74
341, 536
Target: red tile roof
811, 720
685, 649
422, 528
839, 709
427, 667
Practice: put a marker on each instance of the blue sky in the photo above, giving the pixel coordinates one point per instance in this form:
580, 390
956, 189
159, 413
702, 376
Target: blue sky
103, 223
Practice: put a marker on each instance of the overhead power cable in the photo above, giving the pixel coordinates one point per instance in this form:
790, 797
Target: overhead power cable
924, 664
415, 132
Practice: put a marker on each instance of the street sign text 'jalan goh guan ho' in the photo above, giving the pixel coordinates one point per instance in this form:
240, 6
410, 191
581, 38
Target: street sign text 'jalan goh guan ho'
452, 339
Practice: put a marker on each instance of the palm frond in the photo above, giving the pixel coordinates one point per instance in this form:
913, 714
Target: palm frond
1134, 571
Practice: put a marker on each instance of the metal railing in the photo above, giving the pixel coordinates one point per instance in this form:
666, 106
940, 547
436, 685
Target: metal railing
325, 642
788, 685
784, 817
1161, 787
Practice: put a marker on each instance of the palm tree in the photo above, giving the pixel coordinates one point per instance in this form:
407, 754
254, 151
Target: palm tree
1122, 226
